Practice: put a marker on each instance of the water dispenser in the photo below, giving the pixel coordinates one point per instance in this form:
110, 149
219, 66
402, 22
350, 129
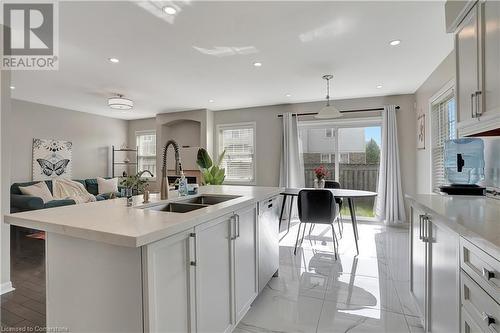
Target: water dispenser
464, 166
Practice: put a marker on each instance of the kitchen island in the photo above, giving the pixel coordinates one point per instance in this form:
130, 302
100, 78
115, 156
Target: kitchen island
189, 264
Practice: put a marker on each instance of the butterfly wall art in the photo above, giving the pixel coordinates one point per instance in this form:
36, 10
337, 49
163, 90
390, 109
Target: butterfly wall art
51, 159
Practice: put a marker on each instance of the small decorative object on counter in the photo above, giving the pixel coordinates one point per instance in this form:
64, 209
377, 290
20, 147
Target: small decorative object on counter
145, 195
211, 172
129, 194
193, 189
136, 183
183, 185
321, 173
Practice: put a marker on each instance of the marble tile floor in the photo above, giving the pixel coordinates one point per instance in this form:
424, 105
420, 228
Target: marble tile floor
316, 293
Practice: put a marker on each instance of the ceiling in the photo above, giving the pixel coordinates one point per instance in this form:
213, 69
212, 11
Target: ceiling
207, 50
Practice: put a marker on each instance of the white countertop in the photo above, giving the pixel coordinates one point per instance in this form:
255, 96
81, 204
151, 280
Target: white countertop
110, 221
477, 219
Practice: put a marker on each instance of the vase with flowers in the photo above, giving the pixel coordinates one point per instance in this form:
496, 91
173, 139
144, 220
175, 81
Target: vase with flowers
320, 172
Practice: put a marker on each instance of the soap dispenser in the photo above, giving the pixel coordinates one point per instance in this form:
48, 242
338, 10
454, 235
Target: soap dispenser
183, 185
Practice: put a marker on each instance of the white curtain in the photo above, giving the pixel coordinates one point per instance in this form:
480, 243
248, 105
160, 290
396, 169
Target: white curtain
390, 205
292, 165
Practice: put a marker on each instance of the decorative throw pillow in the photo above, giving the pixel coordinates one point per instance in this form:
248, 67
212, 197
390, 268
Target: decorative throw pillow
105, 186
38, 190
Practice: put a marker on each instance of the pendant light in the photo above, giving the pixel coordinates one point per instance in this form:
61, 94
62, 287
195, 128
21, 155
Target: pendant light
329, 111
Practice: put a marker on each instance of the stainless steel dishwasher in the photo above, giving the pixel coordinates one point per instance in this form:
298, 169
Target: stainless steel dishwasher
268, 229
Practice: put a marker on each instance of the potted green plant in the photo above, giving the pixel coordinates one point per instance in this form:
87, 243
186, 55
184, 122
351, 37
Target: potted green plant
211, 172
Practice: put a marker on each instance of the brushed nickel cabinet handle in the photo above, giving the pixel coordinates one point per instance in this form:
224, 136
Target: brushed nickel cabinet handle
192, 249
472, 96
487, 274
479, 112
420, 227
487, 318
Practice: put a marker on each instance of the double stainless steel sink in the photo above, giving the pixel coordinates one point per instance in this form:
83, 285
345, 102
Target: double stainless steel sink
190, 204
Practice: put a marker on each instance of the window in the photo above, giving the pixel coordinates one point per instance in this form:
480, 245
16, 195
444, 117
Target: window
239, 142
351, 155
146, 145
444, 122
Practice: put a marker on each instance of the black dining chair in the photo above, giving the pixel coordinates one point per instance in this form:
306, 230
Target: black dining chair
316, 207
339, 201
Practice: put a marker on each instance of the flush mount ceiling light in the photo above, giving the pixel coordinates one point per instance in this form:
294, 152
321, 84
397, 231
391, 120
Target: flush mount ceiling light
395, 42
288, 95
12, 87
329, 111
379, 86
169, 10
257, 64
120, 103
114, 60
211, 101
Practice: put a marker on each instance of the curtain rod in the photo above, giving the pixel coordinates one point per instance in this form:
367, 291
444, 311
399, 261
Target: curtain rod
345, 111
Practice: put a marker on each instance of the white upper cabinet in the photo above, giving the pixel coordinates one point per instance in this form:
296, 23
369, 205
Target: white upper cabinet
467, 57
477, 49
491, 26
455, 11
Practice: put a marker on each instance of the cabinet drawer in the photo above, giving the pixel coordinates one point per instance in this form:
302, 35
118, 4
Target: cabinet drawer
468, 324
483, 268
482, 309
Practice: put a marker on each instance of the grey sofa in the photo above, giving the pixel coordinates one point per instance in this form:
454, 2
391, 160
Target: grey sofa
21, 203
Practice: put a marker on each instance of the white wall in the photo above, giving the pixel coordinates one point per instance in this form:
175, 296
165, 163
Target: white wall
5, 113
439, 78
92, 138
269, 132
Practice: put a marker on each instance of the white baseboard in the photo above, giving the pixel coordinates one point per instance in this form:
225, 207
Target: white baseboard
6, 287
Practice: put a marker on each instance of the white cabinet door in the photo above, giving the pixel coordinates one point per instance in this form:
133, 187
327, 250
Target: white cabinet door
418, 266
245, 260
444, 299
491, 27
168, 277
467, 57
213, 276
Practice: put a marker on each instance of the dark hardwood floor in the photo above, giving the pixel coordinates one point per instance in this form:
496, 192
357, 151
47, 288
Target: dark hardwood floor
24, 308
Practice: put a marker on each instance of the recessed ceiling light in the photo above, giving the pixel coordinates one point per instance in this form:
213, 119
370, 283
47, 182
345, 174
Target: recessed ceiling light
257, 64
114, 60
379, 86
210, 101
395, 42
169, 10
12, 87
288, 95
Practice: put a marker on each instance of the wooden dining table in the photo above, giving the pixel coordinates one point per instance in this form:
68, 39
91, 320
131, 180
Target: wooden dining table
349, 195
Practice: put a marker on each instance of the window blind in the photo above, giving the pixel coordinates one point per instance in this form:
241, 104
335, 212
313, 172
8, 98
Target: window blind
444, 121
239, 160
146, 145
